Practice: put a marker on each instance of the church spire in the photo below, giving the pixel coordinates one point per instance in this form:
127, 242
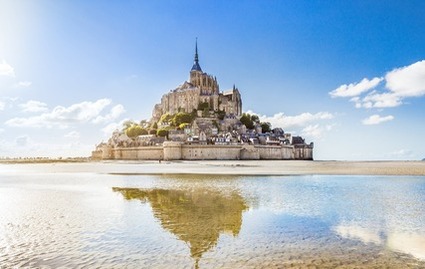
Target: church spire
196, 66
196, 51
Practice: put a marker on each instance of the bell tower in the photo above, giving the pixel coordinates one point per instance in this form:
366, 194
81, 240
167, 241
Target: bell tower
205, 83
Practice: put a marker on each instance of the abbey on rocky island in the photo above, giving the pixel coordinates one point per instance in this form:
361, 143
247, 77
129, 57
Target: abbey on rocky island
195, 121
201, 89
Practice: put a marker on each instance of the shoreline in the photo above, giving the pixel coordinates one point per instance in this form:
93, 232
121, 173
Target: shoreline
223, 167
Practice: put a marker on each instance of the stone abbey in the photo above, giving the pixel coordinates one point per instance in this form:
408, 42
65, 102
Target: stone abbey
201, 89
195, 121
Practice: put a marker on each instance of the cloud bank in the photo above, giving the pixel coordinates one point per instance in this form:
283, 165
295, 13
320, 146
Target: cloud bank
377, 119
306, 124
400, 83
355, 89
62, 117
116, 111
33, 106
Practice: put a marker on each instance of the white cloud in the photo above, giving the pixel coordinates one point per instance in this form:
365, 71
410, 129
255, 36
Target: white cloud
312, 131
34, 106
2, 105
23, 84
401, 83
355, 89
285, 122
377, 119
408, 81
6, 69
72, 135
357, 101
116, 111
381, 100
315, 131
62, 117
1, 130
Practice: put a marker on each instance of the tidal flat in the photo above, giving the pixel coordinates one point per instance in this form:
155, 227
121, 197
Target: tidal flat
111, 215
219, 167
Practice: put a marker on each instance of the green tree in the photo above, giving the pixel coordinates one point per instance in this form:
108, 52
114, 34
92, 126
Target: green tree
162, 132
166, 118
255, 119
246, 120
183, 126
182, 117
135, 130
266, 127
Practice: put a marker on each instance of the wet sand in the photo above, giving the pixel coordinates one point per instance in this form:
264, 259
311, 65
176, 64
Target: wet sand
81, 215
263, 167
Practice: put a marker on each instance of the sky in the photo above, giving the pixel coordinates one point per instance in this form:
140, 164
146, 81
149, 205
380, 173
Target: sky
346, 75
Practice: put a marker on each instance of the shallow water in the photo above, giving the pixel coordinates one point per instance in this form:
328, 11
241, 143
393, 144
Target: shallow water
86, 220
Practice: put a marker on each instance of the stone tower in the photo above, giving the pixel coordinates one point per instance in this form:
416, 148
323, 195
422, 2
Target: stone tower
206, 83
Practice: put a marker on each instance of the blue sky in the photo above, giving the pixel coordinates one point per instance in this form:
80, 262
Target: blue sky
348, 75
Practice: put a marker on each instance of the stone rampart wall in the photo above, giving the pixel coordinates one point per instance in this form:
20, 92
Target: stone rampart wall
303, 153
249, 152
270, 152
138, 153
178, 151
288, 152
210, 152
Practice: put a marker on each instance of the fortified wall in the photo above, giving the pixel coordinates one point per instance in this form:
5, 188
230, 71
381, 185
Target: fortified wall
179, 151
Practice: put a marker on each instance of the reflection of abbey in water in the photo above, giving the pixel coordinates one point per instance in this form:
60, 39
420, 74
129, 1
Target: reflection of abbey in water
197, 218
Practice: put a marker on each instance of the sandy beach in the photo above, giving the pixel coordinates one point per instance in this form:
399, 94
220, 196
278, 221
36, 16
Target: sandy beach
227, 167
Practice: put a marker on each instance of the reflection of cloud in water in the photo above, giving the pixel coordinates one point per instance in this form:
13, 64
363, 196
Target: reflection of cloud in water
195, 217
356, 232
409, 243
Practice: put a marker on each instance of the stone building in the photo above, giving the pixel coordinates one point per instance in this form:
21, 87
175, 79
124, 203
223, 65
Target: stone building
200, 92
